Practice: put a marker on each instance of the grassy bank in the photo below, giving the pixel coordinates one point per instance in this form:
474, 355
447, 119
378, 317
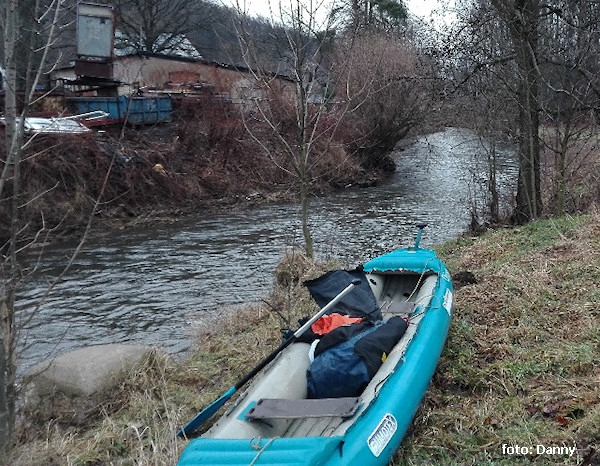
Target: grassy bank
521, 366
522, 363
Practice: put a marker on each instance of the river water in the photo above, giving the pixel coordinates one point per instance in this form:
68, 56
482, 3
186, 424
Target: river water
154, 285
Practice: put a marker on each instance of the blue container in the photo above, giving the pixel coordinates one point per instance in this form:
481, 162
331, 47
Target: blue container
133, 110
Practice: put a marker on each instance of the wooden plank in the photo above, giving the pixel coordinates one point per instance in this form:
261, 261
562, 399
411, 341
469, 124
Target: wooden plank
271, 408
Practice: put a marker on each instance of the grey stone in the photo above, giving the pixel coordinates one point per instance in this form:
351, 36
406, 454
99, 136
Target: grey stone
86, 371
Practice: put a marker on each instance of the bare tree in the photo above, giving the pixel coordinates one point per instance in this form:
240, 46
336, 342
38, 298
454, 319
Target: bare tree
522, 18
535, 60
492, 57
157, 26
10, 181
478, 59
569, 94
21, 47
343, 93
9, 267
296, 114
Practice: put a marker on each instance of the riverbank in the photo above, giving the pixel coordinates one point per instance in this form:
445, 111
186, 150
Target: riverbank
155, 173
520, 367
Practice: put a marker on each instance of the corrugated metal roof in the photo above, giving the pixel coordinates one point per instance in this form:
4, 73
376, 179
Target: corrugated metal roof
59, 125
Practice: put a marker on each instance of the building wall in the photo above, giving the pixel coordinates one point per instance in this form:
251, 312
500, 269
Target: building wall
151, 72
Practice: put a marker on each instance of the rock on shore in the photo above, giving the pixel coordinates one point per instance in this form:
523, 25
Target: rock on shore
73, 381
88, 370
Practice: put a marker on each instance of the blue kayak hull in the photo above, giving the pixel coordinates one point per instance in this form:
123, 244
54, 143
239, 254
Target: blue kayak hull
377, 431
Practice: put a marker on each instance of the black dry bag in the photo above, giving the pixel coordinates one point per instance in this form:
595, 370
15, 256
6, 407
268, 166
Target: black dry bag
346, 368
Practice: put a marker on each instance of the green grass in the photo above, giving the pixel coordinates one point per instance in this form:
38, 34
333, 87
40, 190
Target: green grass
521, 365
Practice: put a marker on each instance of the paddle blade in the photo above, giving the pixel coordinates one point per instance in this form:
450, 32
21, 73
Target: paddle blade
206, 413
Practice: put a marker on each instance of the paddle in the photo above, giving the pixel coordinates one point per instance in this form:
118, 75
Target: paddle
421, 227
212, 408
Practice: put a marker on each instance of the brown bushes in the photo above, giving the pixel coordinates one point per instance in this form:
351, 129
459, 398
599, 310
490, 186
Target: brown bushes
205, 154
576, 187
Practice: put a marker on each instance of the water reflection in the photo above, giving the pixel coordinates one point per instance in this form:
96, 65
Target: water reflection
153, 285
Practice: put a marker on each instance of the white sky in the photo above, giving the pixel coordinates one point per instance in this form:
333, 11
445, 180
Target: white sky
261, 7
422, 7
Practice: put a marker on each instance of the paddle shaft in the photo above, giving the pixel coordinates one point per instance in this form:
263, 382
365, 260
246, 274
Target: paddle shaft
211, 409
297, 334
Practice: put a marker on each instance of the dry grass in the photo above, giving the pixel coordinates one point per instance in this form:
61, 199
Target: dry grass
133, 424
520, 366
136, 423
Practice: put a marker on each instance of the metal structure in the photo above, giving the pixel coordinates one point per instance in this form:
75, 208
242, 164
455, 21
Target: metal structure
95, 40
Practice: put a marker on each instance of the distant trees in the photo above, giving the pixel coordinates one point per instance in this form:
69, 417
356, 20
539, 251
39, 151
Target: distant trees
531, 64
377, 14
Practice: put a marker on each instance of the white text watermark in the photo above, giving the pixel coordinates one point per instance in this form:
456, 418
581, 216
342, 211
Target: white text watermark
547, 450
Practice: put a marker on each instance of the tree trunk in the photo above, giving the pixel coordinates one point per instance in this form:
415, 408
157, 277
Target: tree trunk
5, 432
493, 183
561, 185
7, 303
529, 201
522, 18
304, 207
525, 36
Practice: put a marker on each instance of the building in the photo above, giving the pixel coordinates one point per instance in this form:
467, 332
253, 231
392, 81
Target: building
144, 72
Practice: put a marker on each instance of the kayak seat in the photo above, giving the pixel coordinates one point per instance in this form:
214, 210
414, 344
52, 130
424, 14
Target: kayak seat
400, 307
272, 408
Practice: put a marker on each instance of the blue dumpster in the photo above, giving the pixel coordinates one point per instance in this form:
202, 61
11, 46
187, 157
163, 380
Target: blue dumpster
133, 110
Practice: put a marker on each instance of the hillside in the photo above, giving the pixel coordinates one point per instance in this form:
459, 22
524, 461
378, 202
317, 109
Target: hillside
520, 368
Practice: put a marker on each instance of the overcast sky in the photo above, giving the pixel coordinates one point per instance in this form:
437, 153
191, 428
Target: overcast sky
261, 7
421, 7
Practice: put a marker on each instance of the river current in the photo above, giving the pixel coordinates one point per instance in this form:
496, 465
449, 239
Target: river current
156, 284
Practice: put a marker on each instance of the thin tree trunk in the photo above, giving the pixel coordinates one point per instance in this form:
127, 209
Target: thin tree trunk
492, 183
7, 305
560, 193
5, 433
304, 206
561, 188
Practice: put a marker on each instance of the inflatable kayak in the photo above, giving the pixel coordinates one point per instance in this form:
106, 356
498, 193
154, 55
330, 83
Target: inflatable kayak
278, 421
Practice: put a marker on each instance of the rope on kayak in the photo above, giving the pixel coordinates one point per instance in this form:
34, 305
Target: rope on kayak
255, 444
425, 269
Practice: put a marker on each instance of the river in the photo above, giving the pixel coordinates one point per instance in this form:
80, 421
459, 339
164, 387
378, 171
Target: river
156, 284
